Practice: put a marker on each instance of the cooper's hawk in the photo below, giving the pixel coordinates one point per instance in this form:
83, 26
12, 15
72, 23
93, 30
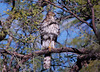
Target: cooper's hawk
49, 32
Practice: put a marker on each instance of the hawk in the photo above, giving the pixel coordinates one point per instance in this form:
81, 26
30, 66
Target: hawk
49, 31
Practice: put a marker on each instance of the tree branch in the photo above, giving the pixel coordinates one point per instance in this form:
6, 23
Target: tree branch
68, 11
42, 52
81, 60
87, 55
84, 60
93, 22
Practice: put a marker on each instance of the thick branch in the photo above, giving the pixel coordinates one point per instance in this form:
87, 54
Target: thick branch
42, 52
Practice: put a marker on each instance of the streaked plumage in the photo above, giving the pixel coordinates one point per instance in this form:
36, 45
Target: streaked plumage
49, 32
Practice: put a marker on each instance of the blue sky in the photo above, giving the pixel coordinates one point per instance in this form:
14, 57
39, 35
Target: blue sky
63, 33
3, 8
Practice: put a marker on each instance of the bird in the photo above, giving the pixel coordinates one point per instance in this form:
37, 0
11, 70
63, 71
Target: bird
49, 31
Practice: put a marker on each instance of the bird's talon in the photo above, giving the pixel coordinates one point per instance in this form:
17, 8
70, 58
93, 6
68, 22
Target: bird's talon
50, 48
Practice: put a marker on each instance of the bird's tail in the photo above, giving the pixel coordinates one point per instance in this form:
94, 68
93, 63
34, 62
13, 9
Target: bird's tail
47, 59
47, 62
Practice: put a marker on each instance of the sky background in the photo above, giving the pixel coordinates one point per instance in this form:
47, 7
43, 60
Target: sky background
68, 34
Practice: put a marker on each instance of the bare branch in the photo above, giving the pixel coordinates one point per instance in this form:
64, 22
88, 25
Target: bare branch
11, 62
42, 52
93, 22
9, 42
68, 11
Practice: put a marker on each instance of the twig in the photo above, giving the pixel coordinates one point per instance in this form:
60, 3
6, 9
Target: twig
69, 12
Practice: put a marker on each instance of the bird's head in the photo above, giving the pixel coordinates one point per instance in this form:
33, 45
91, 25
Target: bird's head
50, 13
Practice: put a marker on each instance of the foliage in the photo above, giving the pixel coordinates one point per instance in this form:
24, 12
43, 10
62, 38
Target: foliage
23, 24
94, 66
